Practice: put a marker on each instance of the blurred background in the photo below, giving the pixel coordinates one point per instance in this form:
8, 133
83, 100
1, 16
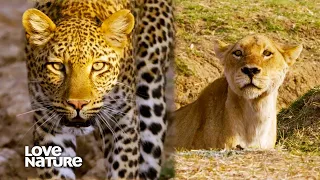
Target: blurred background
15, 126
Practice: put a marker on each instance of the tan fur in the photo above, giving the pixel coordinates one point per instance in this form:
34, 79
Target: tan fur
113, 33
38, 26
230, 113
117, 27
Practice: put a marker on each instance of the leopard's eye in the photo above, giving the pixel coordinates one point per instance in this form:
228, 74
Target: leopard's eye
57, 66
98, 66
237, 53
98, 21
267, 53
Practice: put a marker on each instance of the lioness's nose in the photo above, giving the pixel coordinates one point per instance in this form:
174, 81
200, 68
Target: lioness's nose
250, 71
78, 104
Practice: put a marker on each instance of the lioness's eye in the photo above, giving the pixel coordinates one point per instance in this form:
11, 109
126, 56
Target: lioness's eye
267, 53
237, 53
98, 66
57, 66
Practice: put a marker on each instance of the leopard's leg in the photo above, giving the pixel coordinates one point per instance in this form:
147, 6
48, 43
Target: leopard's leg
152, 130
107, 150
44, 136
154, 39
122, 148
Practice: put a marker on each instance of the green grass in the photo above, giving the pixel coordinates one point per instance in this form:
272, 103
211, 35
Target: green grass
167, 170
182, 68
233, 19
299, 125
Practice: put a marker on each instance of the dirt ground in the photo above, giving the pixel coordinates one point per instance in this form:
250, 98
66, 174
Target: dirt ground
249, 164
196, 63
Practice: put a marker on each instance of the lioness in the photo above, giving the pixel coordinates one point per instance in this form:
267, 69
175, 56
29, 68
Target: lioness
240, 108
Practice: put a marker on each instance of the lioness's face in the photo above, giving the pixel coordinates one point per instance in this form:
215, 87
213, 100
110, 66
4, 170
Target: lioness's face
256, 65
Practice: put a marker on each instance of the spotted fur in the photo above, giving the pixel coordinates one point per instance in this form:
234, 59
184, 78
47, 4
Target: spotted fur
125, 100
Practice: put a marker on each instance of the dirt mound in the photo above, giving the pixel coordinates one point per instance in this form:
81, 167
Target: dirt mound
302, 77
299, 125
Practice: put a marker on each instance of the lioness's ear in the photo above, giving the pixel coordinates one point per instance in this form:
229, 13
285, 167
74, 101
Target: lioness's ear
117, 27
220, 49
291, 53
39, 27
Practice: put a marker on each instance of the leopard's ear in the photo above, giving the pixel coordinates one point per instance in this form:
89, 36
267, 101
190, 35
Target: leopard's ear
220, 48
38, 26
117, 27
291, 53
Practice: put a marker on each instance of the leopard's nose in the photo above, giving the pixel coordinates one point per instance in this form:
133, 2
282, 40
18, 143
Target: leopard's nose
78, 104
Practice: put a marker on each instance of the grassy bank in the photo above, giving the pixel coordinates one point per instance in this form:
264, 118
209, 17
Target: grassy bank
299, 125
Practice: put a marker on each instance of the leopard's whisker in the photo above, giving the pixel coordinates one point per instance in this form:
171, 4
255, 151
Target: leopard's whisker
112, 118
34, 125
109, 126
101, 133
30, 111
48, 120
54, 124
106, 123
57, 124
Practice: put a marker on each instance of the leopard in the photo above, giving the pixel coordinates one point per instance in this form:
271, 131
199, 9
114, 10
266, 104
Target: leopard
101, 65
238, 110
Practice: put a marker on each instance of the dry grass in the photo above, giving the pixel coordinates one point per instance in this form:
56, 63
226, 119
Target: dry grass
247, 164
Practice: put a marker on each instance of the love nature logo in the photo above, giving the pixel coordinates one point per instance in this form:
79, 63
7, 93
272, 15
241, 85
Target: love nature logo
42, 156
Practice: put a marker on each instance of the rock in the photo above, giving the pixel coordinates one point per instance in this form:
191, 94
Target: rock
9, 168
99, 171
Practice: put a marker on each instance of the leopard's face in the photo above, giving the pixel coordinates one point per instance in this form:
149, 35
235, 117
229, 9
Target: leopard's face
77, 67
